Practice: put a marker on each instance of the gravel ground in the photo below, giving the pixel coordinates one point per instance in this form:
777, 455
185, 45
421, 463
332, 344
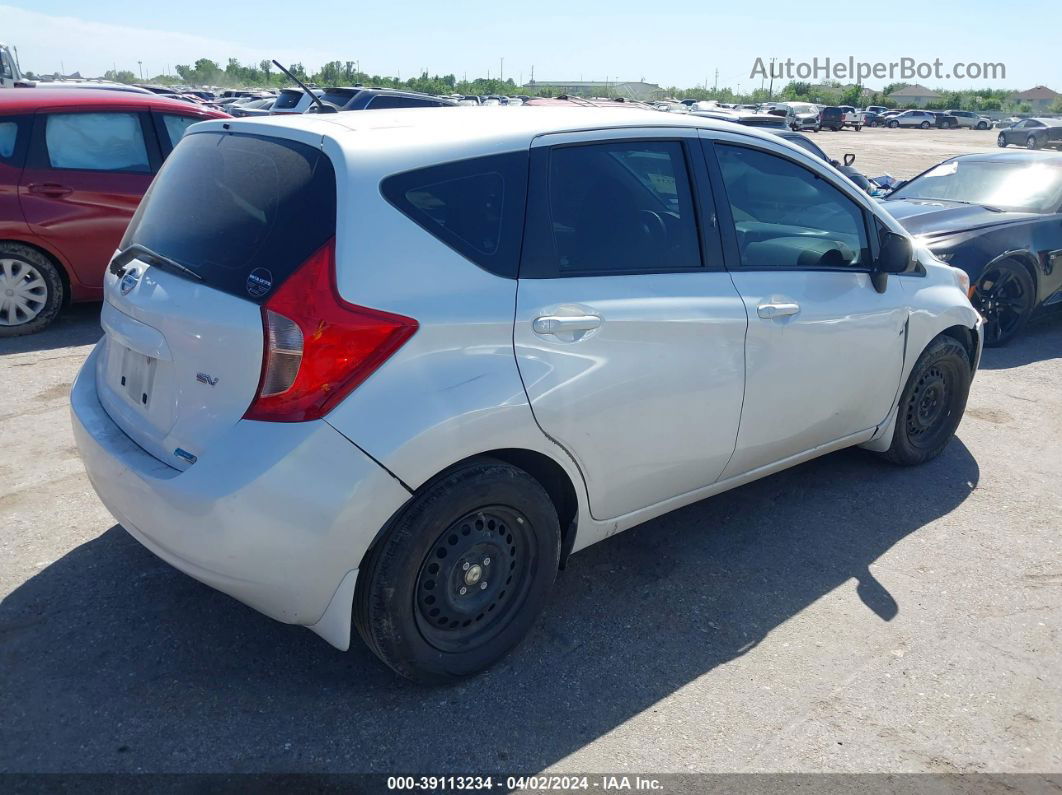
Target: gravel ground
903, 153
846, 615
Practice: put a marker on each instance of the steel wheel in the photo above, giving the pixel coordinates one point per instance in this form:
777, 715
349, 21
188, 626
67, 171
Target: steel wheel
1004, 297
23, 292
474, 578
927, 407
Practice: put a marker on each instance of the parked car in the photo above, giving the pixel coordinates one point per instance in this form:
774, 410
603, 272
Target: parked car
847, 168
913, 118
998, 216
293, 100
1032, 134
256, 107
358, 98
94, 85
426, 485
73, 166
972, 120
944, 121
746, 118
836, 117
876, 109
802, 116
871, 119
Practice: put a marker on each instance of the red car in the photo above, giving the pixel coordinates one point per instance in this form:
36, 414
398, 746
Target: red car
73, 167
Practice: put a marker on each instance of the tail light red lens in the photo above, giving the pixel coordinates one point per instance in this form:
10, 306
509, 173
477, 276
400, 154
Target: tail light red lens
318, 347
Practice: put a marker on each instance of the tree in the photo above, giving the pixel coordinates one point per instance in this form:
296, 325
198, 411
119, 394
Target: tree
120, 76
267, 67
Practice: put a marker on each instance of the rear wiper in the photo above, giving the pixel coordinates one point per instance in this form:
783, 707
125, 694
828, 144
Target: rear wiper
137, 251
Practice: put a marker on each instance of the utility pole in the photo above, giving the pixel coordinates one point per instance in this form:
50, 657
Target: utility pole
770, 91
532, 74
716, 86
501, 68
141, 65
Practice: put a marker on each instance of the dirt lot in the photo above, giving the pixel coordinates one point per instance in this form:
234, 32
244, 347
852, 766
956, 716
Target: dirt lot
903, 153
844, 616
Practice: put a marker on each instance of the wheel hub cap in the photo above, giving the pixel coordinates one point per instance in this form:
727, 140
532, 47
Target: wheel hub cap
23, 292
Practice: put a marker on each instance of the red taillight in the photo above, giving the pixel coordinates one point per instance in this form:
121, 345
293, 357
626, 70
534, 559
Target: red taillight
318, 347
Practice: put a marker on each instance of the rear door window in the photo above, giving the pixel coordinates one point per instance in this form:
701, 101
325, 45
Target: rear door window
242, 211
611, 208
475, 206
96, 142
175, 126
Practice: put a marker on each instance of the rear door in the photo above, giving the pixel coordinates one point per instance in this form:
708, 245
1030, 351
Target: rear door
824, 349
182, 355
85, 175
629, 335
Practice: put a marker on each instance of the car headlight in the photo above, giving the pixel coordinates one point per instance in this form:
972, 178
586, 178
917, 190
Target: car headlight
944, 256
962, 280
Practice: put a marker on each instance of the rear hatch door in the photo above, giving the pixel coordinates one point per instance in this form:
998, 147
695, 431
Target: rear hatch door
228, 219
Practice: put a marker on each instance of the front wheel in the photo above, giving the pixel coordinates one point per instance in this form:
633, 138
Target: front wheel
1001, 141
932, 403
1005, 297
894, 124
461, 574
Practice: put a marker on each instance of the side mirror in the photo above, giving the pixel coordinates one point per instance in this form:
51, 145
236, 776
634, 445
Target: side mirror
849, 158
894, 257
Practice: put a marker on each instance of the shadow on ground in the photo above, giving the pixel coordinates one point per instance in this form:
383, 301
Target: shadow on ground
113, 661
76, 325
1039, 341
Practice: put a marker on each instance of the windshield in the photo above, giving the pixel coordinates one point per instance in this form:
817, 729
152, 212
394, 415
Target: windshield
1026, 187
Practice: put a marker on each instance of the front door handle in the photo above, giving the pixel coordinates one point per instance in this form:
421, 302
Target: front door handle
51, 189
554, 324
769, 311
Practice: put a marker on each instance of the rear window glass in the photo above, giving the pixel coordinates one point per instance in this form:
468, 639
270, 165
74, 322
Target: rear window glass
382, 102
286, 100
96, 141
242, 211
339, 96
475, 206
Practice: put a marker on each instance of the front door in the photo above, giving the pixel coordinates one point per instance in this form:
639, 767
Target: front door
825, 350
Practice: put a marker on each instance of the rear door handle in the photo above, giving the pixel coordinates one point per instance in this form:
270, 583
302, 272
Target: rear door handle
51, 189
770, 311
553, 324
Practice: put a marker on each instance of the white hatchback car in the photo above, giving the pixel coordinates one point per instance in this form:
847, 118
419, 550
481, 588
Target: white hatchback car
391, 369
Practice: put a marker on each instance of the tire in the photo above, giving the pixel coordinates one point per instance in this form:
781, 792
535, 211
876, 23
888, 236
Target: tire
1005, 295
982, 126
894, 124
858, 127
31, 290
1032, 142
1001, 141
932, 403
408, 605
924, 125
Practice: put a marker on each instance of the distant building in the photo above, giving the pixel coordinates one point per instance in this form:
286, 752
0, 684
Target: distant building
1039, 99
916, 96
597, 88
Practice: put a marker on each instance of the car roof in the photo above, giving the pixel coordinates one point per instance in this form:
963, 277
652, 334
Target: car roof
441, 134
27, 100
1049, 122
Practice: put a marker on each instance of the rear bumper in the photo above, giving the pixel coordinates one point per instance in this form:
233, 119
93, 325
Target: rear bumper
277, 515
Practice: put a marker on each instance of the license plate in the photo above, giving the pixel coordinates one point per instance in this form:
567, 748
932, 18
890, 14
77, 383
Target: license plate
136, 376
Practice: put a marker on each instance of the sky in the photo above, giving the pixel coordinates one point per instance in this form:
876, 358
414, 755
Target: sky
680, 44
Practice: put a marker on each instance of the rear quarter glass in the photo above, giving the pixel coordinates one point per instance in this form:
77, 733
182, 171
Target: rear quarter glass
242, 211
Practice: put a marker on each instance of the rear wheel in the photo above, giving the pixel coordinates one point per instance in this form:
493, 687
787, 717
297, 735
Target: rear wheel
924, 125
932, 403
1032, 142
1005, 297
982, 126
31, 290
461, 574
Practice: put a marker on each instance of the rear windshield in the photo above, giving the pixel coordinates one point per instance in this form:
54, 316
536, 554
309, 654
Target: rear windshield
339, 96
287, 99
242, 211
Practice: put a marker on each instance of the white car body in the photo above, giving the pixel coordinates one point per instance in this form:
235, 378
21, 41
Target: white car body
639, 415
